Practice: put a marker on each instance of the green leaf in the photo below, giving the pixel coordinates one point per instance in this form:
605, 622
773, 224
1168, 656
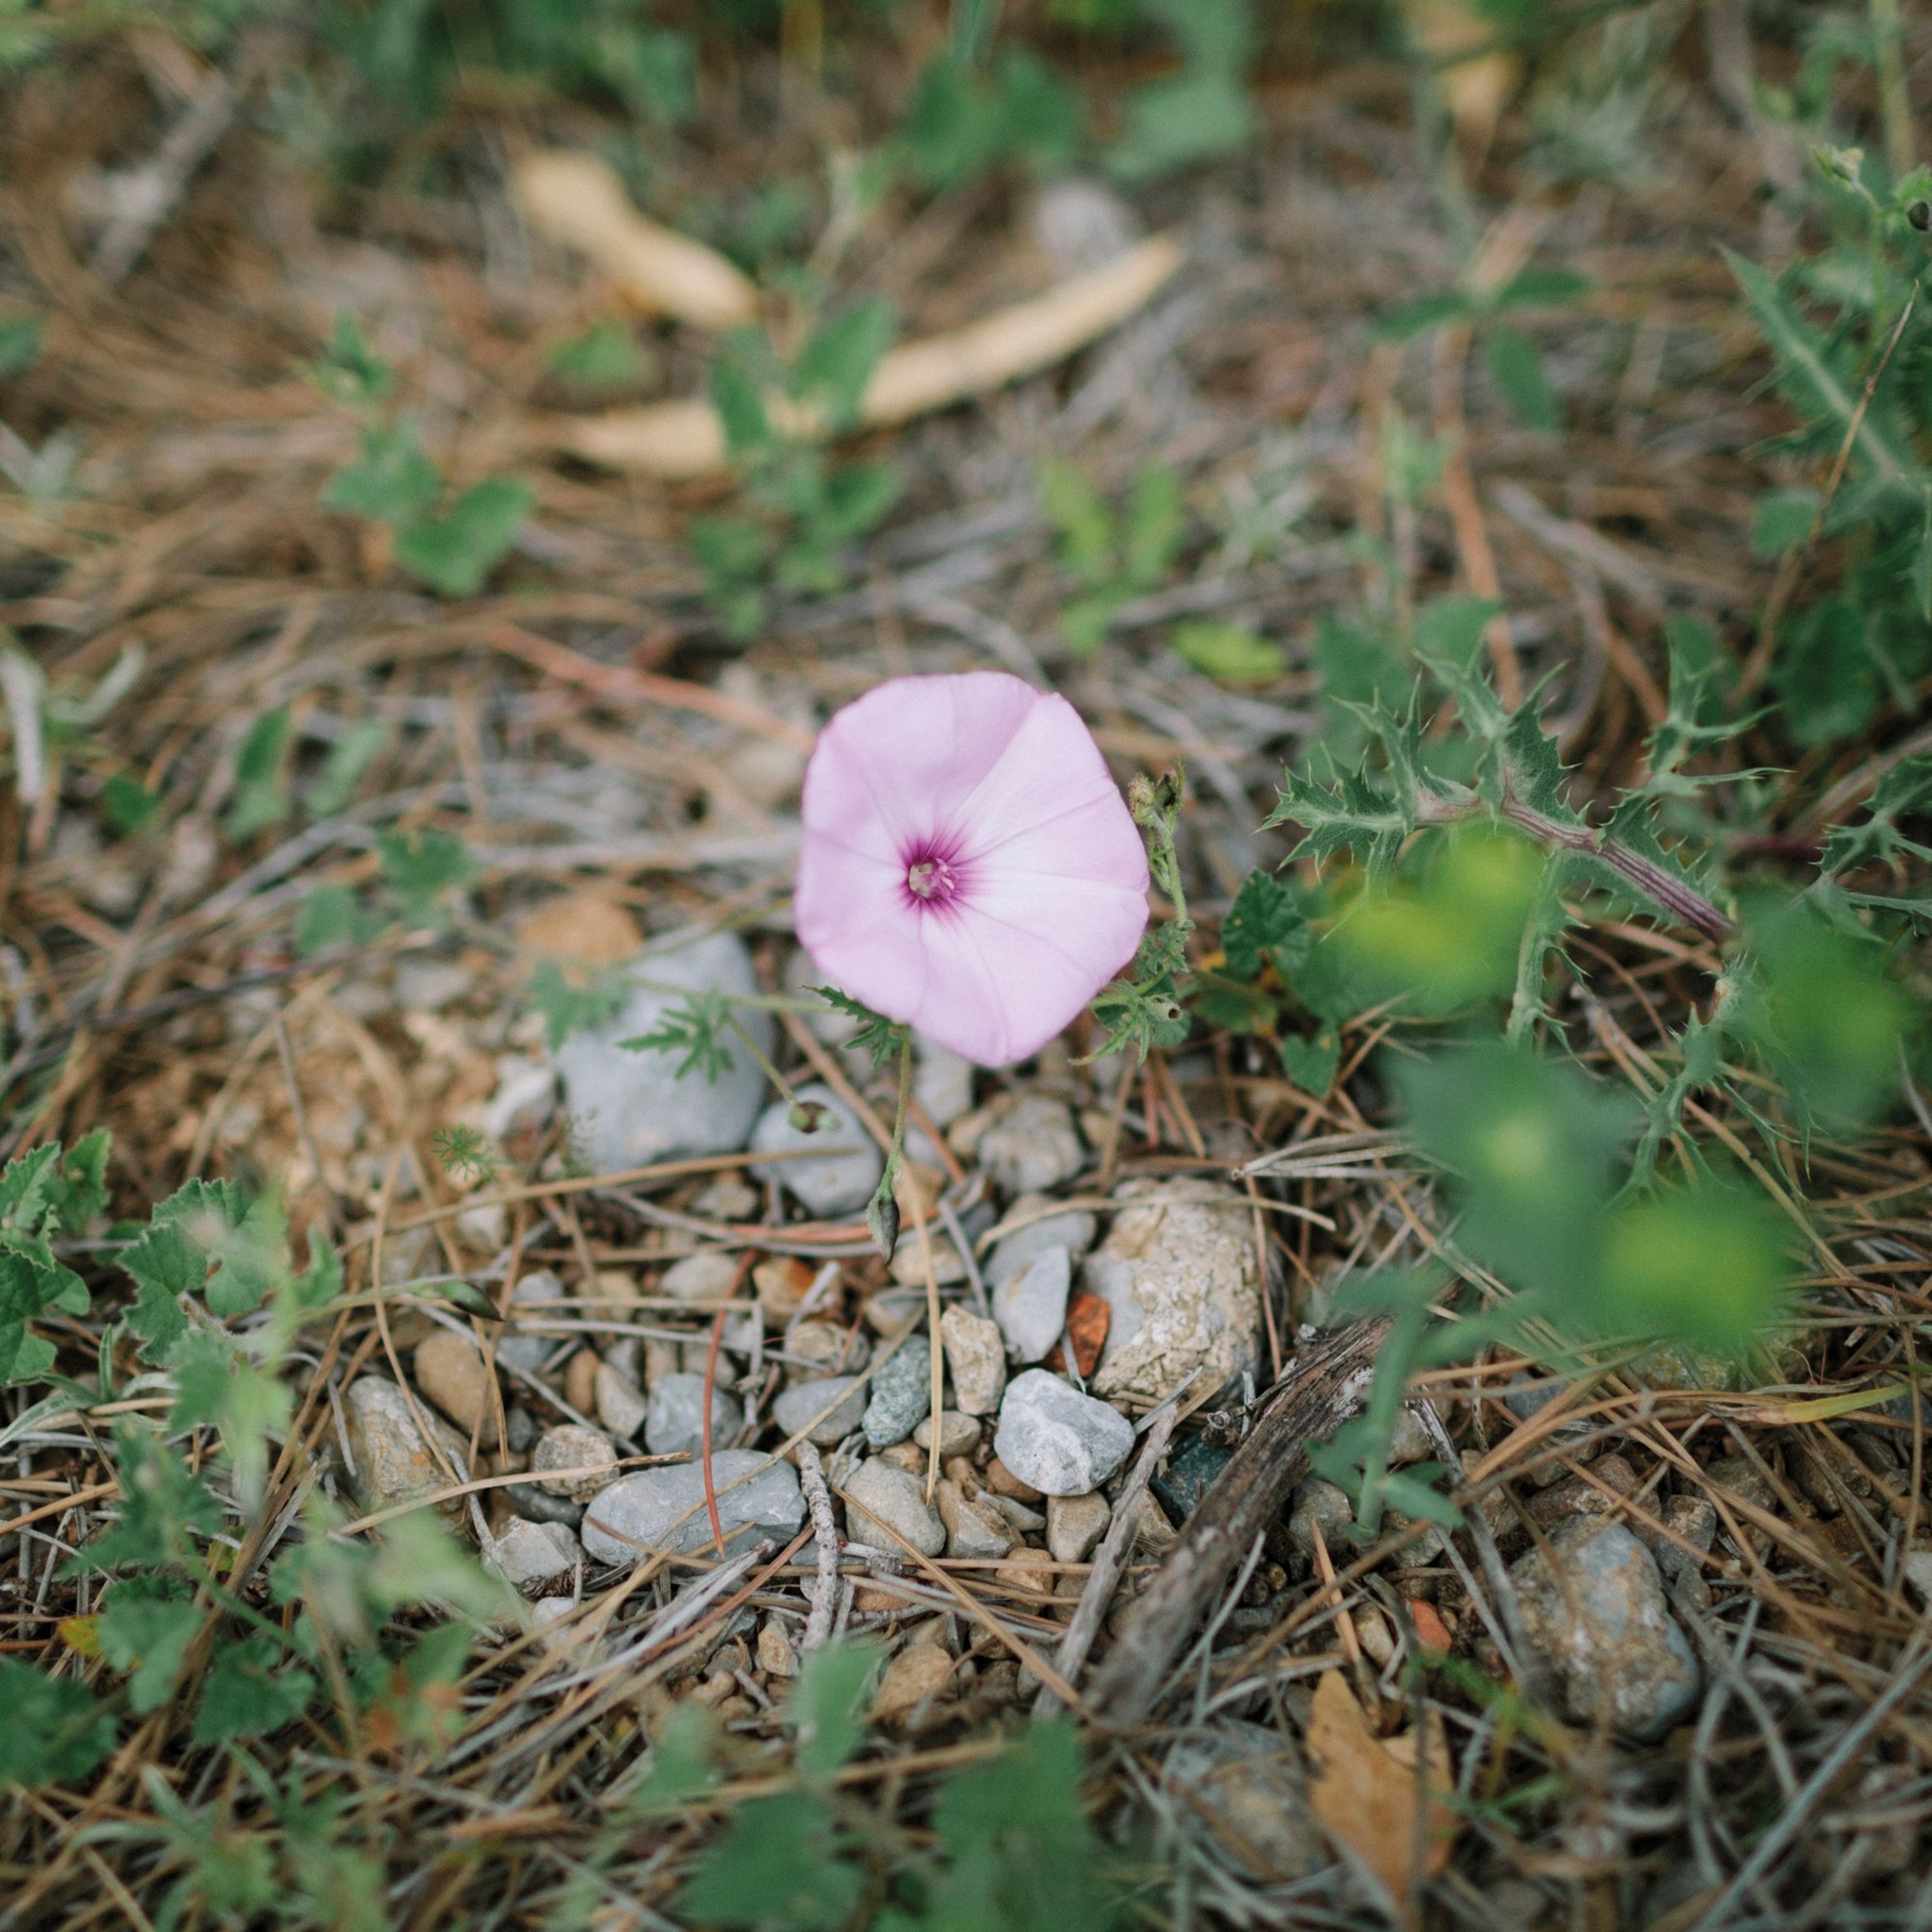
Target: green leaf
1422, 314
1453, 627
54, 1733
1268, 922
1081, 521
1229, 653
1708, 1267
827, 1704
1022, 1855
1813, 385
1904, 793
392, 481
695, 1028
348, 760
567, 1008
249, 1692
1155, 518
261, 785
776, 1868
20, 337
1311, 1063
1543, 288
453, 554
333, 916
856, 499
605, 358
1783, 520
1515, 365
350, 371
879, 1036
1169, 124
838, 358
127, 805
420, 867
737, 393
162, 1507
145, 1631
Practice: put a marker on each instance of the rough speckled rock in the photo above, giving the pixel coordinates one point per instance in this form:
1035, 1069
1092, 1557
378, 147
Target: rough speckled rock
674, 1416
1075, 1526
1594, 1606
831, 1185
976, 1357
1030, 1304
644, 1506
877, 1493
450, 1371
533, 1552
631, 1109
901, 1394
1321, 1505
573, 1447
1058, 1441
1178, 1272
393, 1463
803, 1400
1032, 1146
1072, 1229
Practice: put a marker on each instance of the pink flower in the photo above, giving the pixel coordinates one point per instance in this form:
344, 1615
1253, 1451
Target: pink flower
967, 864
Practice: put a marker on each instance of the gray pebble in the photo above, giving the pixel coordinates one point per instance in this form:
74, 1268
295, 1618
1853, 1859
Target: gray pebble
902, 1395
800, 1403
1058, 1441
1033, 1146
1030, 1304
674, 1416
642, 1508
833, 1185
530, 1352
895, 1498
1072, 1228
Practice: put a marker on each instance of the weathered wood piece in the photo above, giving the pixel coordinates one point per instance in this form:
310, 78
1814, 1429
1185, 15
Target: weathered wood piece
1325, 1384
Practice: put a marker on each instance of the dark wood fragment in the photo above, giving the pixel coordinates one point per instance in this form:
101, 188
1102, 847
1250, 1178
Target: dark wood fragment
1324, 1385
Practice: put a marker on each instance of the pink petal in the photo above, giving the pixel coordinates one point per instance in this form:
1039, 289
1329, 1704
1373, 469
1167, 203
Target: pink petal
1012, 782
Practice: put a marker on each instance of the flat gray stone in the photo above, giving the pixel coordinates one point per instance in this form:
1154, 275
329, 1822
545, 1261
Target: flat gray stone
834, 1185
674, 1416
942, 1082
1031, 1305
533, 1552
529, 1297
976, 1357
1594, 1608
1058, 1441
896, 1498
631, 1109
974, 1527
1072, 1228
644, 1506
539, 1505
707, 1275
902, 1395
958, 1435
800, 1403
621, 1406
1034, 1146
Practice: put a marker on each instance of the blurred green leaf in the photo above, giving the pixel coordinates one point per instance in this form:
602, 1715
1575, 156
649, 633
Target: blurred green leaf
1515, 364
1708, 1267
261, 798
421, 868
20, 338
1229, 653
145, 1631
838, 358
54, 1733
453, 554
1783, 520
776, 1868
827, 1704
605, 358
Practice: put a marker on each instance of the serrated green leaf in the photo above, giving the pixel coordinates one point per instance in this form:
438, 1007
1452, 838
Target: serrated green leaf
145, 1631
695, 1027
419, 868
777, 1868
55, 1732
162, 1506
454, 554
249, 1692
392, 481
1311, 1063
1266, 923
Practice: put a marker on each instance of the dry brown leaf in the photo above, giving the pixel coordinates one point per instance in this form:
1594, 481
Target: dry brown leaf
685, 439
579, 929
576, 199
1365, 1791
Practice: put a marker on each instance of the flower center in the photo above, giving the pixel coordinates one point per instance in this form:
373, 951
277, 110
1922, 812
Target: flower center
931, 879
